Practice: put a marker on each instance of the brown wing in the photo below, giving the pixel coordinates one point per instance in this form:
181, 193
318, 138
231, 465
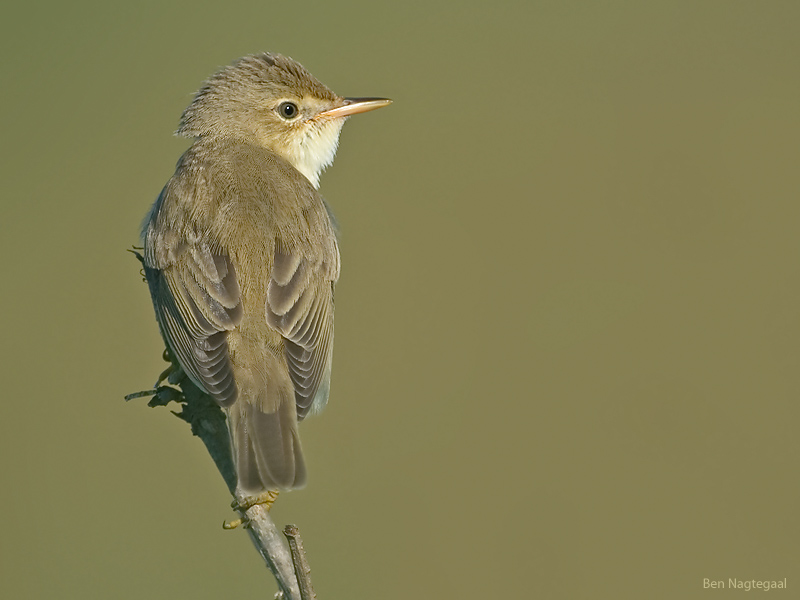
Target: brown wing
196, 298
300, 307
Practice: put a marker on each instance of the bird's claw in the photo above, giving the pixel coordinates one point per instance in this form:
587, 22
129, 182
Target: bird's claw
267, 499
234, 524
243, 504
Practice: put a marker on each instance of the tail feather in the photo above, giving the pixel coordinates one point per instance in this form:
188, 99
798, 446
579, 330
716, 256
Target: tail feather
266, 447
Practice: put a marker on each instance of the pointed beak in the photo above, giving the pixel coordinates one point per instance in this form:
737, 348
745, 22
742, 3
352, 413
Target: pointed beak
353, 106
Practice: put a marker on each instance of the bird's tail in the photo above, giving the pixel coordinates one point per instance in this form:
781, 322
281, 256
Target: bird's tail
266, 447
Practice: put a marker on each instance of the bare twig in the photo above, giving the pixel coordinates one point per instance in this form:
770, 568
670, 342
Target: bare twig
301, 568
268, 542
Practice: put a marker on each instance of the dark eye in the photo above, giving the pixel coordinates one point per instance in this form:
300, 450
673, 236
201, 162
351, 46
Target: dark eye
288, 110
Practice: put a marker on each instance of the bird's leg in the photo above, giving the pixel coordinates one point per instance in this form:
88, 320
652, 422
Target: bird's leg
243, 504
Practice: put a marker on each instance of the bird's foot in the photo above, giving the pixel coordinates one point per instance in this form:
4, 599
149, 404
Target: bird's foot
243, 504
267, 499
234, 524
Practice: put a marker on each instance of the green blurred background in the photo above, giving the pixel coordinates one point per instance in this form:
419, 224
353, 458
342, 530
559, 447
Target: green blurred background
567, 325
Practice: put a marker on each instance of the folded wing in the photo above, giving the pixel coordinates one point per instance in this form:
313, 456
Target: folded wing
197, 300
300, 306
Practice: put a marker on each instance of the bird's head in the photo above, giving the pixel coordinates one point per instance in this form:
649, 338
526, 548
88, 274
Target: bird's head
272, 101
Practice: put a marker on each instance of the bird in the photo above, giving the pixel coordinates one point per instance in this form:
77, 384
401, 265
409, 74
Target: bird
241, 257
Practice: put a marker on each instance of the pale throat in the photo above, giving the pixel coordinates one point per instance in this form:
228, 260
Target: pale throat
313, 152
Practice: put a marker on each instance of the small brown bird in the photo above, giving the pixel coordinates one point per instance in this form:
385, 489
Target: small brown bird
241, 256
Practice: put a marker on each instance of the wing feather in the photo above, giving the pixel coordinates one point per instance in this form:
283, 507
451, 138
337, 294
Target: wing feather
197, 300
300, 307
